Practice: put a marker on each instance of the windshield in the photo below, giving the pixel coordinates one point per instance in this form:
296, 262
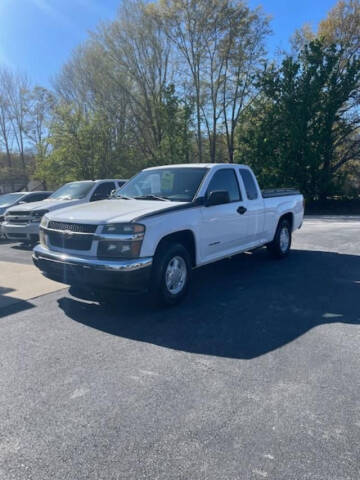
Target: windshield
175, 184
10, 198
72, 191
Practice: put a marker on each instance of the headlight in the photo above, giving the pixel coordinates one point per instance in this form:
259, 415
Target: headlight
123, 229
44, 221
37, 215
121, 240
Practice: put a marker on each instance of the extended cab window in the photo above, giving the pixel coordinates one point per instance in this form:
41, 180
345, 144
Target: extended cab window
250, 187
225, 179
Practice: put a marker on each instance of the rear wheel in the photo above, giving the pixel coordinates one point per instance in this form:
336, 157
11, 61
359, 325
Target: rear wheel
280, 246
171, 274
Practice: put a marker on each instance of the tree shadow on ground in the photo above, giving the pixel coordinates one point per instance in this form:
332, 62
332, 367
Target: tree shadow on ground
11, 305
22, 246
239, 308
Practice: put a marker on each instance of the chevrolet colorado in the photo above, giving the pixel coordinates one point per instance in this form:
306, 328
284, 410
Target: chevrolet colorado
163, 223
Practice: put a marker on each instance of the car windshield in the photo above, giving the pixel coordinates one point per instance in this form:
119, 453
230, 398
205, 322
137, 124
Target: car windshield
72, 191
176, 184
10, 198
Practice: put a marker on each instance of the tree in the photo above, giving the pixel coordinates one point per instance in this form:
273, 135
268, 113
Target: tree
6, 127
341, 27
222, 45
185, 23
244, 56
41, 106
305, 128
138, 54
80, 147
14, 123
122, 77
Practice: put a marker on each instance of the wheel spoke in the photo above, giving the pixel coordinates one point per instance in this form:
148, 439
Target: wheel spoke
175, 275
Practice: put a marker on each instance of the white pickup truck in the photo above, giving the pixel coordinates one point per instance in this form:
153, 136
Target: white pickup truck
22, 222
163, 223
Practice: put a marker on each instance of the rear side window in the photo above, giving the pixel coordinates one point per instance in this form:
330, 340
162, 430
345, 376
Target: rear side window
44, 195
225, 179
103, 191
30, 198
35, 197
250, 186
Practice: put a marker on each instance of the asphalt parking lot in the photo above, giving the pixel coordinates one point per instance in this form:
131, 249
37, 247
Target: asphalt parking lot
255, 376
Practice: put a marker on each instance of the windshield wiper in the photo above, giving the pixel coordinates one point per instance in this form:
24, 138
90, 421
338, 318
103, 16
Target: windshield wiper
151, 197
123, 197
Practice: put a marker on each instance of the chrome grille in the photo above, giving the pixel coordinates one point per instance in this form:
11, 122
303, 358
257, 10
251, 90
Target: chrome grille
72, 227
21, 218
18, 220
20, 213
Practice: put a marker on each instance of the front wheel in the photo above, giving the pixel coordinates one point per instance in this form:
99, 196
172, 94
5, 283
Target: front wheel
280, 246
171, 274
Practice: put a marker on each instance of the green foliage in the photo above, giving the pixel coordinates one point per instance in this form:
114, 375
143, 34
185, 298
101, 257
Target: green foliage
303, 128
175, 81
83, 144
175, 118
81, 147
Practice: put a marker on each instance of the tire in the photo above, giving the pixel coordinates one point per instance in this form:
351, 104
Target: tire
171, 274
280, 246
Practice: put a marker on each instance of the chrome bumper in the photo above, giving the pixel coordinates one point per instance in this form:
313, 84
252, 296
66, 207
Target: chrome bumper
41, 253
25, 229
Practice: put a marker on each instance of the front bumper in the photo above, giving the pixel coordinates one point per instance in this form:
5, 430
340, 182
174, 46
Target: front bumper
22, 232
124, 275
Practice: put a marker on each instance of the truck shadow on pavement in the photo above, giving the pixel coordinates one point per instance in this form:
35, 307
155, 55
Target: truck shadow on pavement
239, 308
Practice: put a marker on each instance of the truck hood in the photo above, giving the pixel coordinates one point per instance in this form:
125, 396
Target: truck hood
111, 211
48, 204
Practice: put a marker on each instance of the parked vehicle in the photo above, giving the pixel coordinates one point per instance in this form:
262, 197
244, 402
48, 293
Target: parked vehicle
17, 198
165, 222
22, 222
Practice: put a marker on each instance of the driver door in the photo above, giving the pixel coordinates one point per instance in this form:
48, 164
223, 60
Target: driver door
224, 228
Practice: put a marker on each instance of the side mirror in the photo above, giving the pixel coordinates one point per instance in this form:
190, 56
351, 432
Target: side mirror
112, 193
217, 197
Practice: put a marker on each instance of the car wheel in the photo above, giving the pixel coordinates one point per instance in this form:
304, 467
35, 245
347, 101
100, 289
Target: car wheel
171, 274
280, 246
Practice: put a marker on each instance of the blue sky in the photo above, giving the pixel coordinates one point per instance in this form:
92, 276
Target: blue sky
37, 36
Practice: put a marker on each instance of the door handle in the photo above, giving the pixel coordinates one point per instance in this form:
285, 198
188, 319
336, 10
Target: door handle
241, 210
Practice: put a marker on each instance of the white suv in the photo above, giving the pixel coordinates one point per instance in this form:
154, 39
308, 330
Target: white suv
9, 200
22, 222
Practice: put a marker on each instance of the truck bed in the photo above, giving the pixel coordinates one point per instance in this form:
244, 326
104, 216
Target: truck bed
279, 192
